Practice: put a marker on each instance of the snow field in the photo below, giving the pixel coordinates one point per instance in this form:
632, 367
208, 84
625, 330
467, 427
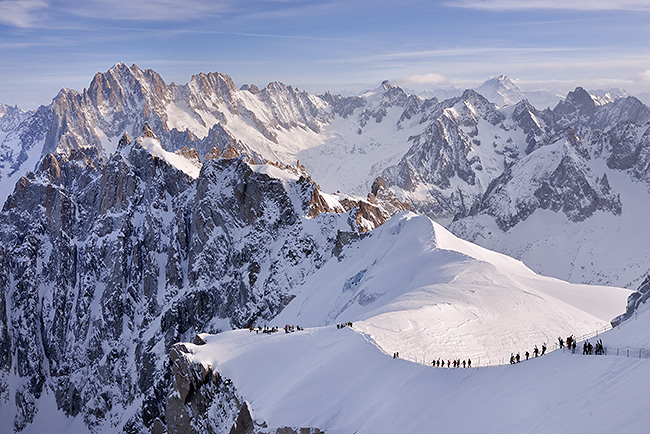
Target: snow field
336, 380
154, 147
427, 294
412, 287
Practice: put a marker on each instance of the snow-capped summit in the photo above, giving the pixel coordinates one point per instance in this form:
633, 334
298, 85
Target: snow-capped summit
501, 90
605, 96
386, 84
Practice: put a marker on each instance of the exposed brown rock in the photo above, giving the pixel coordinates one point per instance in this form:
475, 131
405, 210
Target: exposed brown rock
190, 154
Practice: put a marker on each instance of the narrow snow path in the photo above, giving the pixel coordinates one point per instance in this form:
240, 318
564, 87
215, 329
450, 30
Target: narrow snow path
337, 381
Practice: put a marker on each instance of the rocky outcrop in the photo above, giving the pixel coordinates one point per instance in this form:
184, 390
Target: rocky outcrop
192, 397
201, 401
342, 105
634, 301
563, 184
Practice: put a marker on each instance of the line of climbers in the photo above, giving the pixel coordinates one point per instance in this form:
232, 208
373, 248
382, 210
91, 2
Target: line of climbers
587, 347
344, 324
571, 343
455, 363
271, 330
516, 358
265, 329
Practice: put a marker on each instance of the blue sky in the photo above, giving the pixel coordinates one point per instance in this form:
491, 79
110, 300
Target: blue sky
328, 44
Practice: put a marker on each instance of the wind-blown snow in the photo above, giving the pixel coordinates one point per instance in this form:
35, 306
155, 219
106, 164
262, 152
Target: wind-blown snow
274, 172
180, 117
153, 146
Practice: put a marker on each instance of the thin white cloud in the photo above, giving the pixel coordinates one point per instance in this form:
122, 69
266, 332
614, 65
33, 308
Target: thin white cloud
645, 76
147, 10
182, 10
430, 78
582, 5
21, 13
470, 52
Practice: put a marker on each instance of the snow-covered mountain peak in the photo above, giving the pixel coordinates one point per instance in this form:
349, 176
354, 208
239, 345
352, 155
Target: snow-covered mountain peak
211, 85
11, 117
412, 286
123, 80
471, 107
579, 100
605, 96
501, 90
5, 109
386, 84
500, 81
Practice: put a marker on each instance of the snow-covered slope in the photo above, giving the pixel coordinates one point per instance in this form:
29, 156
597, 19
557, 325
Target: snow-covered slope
413, 287
428, 295
338, 381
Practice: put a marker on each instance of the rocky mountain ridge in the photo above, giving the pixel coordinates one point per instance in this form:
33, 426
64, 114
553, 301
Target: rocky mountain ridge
109, 262
451, 159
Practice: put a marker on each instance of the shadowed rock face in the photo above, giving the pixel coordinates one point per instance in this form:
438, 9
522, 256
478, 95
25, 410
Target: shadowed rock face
634, 301
200, 401
444, 173
105, 264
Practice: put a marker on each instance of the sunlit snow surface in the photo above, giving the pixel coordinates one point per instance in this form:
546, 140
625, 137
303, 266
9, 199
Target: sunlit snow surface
336, 380
153, 146
429, 295
413, 287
